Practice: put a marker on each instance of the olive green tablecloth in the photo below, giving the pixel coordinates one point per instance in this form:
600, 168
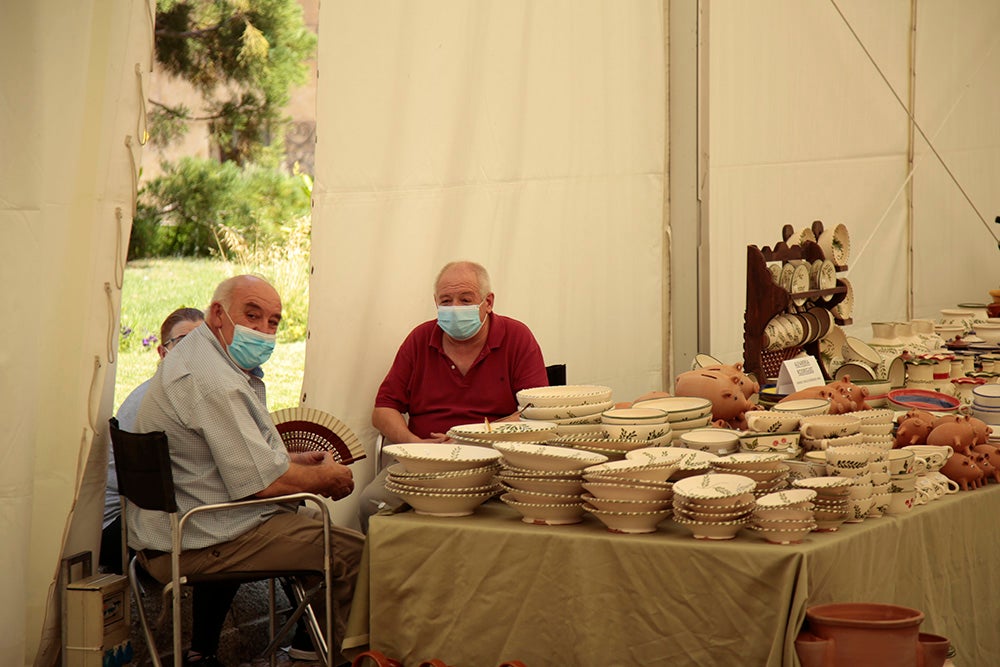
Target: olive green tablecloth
477, 590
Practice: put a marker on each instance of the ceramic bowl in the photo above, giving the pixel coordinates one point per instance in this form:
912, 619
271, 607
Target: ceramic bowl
743, 513
444, 480
637, 432
630, 522
922, 399
565, 395
836, 244
790, 535
786, 443
538, 497
634, 415
619, 505
546, 457
790, 498
521, 431
855, 371
711, 531
533, 473
563, 412
689, 424
416, 457
783, 514
715, 440
818, 427
618, 490
804, 406
714, 488
987, 396
547, 514
845, 308
541, 484
633, 470
443, 504
679, 408
859, 351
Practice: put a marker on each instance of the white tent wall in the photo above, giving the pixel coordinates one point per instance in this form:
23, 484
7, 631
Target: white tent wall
802, 127
527, 136
69, 99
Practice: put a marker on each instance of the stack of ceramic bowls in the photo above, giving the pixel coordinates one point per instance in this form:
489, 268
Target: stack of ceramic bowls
647, 427
876, 428
573, 409
630, 496
902, 480
823, 431
986, 404
714, 506
443, 479
684, 413
853, 463
531, 476
784, 517
597, 443
692, 462
770, 431
486, 434
769, 471
831, 502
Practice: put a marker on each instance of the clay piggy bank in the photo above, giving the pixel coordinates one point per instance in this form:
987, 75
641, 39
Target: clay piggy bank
992, 456
723, 390
913, 431
919, 414
963, 470
840, 401
954, 431
748, 385
856, 393
982, 429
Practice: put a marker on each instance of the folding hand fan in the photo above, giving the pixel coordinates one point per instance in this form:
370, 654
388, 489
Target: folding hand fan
307, 429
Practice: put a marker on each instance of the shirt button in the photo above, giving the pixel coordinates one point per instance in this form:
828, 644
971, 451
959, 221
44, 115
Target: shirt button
453, 367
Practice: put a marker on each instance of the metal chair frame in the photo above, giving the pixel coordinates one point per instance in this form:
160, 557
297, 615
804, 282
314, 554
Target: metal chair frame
158, 470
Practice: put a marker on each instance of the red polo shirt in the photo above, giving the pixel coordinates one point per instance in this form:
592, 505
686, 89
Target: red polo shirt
424, 383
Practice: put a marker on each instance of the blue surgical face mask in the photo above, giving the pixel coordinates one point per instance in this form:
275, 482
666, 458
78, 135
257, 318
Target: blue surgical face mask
460, 322
249, 348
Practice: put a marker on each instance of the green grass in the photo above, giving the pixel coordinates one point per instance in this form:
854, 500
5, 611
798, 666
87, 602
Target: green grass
154, 288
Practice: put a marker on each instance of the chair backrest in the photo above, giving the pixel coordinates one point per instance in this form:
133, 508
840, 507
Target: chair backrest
556, 374
142, 461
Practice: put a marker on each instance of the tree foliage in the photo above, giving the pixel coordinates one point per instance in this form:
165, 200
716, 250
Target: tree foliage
243, 56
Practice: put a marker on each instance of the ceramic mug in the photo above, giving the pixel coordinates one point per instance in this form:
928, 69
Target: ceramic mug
932, 488
900, 461
901, 503
765, 421
828, 427
950, 485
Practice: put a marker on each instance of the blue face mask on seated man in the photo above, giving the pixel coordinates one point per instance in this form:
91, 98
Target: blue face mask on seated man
460, 322
249, 348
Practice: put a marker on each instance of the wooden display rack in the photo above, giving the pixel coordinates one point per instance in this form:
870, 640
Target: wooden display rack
766, 299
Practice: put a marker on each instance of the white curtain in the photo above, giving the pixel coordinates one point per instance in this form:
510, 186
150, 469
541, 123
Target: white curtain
528, 136
803, 127
68, 100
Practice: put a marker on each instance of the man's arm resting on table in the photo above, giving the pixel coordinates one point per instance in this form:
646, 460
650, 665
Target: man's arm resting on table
391, 424
307, 474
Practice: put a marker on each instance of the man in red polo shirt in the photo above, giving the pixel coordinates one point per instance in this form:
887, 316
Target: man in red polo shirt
462, 368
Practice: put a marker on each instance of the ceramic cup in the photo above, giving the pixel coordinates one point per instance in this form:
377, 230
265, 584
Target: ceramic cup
901, 503
765, 421
900, 461
902, 483
950, 485
820, 427
934, 456
928, 486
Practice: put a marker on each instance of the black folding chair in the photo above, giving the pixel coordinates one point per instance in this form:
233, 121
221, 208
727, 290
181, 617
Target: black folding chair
145, 478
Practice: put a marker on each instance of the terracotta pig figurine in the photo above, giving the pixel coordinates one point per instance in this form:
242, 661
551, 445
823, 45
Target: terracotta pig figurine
913, 431
723, 390
840, 400
985, 461
962, 469
748, 385
954, 431
856, 393
982, 429
993, 455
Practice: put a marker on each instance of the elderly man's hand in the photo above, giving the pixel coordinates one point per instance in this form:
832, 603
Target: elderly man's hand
307, 458
438, 438
340, 479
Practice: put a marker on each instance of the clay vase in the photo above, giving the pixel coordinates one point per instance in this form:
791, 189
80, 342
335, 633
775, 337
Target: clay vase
861, 634
933, 649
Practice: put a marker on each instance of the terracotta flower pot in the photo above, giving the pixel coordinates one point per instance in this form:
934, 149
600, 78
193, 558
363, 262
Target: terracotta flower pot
862, 634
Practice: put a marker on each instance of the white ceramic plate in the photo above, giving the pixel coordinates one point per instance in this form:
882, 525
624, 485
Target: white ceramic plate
531, 430
827, 277
679, 408
417, 457
786, 497
800, 283
714, 485
571, 394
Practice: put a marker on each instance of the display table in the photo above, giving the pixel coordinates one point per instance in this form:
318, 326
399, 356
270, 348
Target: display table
475, 591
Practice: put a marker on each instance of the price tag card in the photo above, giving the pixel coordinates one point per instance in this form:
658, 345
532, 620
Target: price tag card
799, 373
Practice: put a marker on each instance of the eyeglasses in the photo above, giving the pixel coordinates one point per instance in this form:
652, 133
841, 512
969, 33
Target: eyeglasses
172, 341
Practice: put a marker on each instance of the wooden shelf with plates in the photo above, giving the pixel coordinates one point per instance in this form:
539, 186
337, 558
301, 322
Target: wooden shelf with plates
767, 299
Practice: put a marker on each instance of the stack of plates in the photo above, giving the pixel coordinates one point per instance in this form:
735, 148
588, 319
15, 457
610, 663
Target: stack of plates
544, 482
831, 503
443, 479
486, 434
613, 448
630, 496
573, 409
785, 517
714, 506
986, 404
768, 470
684, 413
